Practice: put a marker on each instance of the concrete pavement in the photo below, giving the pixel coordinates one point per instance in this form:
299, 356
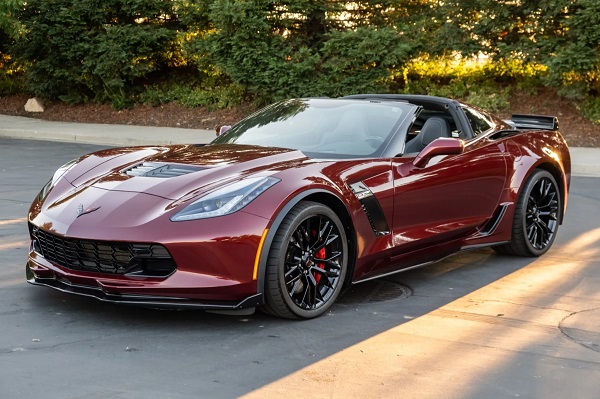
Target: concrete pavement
585, 161
102, 134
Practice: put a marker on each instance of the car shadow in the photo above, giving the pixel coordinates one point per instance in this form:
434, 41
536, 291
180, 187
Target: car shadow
234, 355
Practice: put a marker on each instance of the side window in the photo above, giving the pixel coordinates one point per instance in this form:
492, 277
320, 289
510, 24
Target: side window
479, 121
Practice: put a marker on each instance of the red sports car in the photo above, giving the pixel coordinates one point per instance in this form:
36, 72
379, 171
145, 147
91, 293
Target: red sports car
297, 201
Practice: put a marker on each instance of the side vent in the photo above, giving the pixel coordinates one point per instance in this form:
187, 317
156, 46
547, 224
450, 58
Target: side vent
491, 225
161, 170
371, 207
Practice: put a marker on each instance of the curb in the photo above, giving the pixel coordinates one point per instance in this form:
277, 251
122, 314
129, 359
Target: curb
104, 134
585, 161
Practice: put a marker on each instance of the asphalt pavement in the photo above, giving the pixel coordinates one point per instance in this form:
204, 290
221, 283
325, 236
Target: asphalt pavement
586, 161
476, 325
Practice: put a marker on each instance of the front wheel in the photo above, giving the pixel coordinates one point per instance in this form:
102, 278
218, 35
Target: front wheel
537, 216
307, 262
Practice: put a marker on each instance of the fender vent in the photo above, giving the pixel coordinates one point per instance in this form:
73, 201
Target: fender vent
162, 170
371, 207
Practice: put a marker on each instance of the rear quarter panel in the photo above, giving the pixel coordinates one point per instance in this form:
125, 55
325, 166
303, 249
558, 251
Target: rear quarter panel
534, 149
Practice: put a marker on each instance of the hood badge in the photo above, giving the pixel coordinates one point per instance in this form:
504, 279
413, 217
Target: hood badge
82, 211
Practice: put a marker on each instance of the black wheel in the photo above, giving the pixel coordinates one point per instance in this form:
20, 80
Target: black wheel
307, 263
537, 216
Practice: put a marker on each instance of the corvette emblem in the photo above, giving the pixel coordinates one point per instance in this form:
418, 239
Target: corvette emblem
81, 211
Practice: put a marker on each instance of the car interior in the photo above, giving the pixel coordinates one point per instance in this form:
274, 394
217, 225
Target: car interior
432, 123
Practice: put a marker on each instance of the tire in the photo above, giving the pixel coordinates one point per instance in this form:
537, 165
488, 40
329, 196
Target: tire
307, 263
537, 217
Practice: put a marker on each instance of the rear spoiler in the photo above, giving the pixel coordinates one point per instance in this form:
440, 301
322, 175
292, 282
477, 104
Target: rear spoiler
523, 121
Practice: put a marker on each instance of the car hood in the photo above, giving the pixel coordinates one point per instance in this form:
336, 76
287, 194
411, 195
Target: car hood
178, 172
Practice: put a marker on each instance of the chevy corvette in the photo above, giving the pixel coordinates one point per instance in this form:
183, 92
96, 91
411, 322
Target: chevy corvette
297, 201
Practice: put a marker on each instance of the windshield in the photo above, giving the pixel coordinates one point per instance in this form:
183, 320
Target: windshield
322, 127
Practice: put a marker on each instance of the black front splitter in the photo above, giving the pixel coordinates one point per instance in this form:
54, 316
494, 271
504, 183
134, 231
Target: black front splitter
157, 302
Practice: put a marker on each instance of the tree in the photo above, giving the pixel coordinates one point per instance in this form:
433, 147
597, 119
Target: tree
308, 48
560, 34
9, 26
80, 49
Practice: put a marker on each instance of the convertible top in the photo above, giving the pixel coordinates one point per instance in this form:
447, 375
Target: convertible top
430, 101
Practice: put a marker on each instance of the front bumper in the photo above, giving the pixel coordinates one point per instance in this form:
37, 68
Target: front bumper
101, 292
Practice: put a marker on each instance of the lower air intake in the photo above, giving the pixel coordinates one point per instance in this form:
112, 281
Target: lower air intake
103, 256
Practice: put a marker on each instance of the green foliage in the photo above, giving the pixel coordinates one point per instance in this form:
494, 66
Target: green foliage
482, 82
292, 49
9, 25
11, 73
562, 35
217, 53
218, 97
590, 108
10, 83
575, 62
362, 60
85, 49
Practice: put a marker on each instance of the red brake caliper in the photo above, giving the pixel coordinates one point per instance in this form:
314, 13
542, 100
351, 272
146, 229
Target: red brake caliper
320, 254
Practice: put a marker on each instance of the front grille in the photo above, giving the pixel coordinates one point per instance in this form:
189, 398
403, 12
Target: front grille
103, 256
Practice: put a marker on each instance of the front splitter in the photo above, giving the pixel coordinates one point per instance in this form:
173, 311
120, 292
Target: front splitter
160, 302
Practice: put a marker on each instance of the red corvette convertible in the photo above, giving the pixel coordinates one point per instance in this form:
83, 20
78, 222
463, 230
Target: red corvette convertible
297, 201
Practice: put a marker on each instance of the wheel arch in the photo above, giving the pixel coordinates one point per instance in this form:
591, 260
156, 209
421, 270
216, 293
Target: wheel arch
556, 172
321, 196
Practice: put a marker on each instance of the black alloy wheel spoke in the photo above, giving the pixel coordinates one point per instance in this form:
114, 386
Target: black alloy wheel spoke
532, 233
541, 215
333, 256
325, 273
304, 293
329, 284
293, 269
295, 287
295, 243
319, 296
319, 270
330, 238
322, 231
313, 297
312, 270
320, 242
306, 236
311, 280
295, 262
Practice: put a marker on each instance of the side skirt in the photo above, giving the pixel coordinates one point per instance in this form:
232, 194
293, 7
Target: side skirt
465, 248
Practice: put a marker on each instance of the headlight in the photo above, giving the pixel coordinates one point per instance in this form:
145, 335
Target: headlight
226, 200
56, 177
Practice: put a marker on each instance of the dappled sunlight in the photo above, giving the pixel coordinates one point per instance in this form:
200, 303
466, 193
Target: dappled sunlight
453, 350
12, 282
14, 244
12, 221
586, 245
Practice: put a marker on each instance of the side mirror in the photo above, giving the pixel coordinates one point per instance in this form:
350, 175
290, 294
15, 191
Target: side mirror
441, 146
223, 129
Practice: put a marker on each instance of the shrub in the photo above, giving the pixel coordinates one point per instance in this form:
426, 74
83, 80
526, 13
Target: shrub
219, 97
85, 49
590, 108
294, 49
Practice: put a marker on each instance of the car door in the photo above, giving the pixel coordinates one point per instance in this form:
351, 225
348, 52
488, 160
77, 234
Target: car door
447, 199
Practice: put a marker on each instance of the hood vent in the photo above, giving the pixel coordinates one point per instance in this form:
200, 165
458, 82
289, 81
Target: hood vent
162, 170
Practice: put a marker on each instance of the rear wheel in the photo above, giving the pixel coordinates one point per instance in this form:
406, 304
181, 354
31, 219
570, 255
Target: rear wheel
537, 216
307, 262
